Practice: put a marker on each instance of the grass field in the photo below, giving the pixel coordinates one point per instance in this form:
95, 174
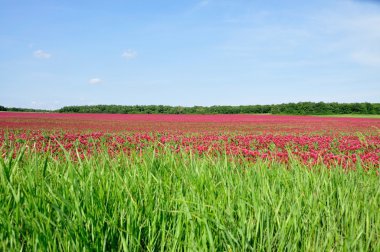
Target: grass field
231, 183
353, 116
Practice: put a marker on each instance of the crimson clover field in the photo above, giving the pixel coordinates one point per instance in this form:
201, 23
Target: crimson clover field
189, 182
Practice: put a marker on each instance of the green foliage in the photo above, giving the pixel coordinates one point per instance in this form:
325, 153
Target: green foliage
301, 108
321, 108
2, 108
177, 202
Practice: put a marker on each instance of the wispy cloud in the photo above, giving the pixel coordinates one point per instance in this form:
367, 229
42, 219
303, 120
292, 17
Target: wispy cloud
356, 33
347, 33
368, 1
203, 3
129, 54
40, 54
198, 6
45, 104
95, 81
366, 58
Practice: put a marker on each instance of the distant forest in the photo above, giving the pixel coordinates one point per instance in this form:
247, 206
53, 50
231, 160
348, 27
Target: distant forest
2, 108
301, 108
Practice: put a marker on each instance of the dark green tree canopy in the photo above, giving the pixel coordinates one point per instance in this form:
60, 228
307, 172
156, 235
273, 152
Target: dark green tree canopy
301, 108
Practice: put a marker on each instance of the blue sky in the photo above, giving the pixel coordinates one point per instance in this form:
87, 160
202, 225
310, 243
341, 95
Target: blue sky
199, 52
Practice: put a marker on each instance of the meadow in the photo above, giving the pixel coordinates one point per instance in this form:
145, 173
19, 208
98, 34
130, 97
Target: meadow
189, 182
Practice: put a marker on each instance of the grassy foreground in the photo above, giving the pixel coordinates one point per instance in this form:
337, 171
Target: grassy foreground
172, 202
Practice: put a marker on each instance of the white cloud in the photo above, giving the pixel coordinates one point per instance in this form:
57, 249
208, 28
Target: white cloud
45, 104
40, 54
357, 35
345, 33
129, 54
203, 3
94, 81
198, 6
366, 58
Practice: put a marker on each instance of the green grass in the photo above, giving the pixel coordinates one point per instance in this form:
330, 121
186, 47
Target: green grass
173, 203
353, 116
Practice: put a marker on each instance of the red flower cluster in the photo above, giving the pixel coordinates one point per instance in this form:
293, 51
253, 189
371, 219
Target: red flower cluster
265, 124
346, 142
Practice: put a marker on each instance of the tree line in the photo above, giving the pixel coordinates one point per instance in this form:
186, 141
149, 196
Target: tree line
301, 108
14, 109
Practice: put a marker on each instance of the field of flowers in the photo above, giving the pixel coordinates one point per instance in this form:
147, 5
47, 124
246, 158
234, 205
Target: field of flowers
189, 182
